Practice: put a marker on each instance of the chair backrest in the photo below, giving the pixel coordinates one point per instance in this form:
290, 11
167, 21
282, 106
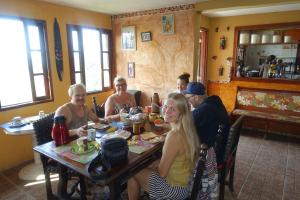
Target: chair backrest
197, 175
137, 96
43, 128
233, 140
220, 143
99, 110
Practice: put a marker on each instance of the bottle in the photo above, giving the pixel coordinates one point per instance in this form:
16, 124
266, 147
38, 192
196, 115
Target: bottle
56, 132
64, 132
155, 103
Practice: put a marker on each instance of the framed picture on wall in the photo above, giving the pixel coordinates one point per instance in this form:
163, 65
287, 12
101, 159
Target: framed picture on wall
146, 36
168, 24
131, 70
128, 38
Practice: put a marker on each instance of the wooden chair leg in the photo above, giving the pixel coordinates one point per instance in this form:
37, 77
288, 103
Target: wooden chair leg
222, 185
231, 177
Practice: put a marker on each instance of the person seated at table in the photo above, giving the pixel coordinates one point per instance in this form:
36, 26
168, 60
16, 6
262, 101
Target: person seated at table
76, 112
182, 82
119, 102
169, 180
209, 113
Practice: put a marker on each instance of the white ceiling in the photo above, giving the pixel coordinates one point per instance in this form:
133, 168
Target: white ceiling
115, 7
235, 11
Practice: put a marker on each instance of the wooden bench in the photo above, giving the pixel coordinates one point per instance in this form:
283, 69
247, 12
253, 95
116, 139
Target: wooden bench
267, 110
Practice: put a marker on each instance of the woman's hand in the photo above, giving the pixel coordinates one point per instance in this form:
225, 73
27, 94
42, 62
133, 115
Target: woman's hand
81, 131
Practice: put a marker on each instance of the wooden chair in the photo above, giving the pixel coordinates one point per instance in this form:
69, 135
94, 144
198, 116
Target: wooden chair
197, 186
99, 110
43, 128
229, 158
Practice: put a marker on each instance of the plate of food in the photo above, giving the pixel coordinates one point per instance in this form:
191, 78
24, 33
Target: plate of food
81, 149
119, 133
156, 139
99, 126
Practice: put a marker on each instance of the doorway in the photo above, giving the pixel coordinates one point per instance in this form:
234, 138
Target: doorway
202, 59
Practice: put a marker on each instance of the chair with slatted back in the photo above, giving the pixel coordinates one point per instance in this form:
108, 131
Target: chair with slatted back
206, 169
227, 168
43, 128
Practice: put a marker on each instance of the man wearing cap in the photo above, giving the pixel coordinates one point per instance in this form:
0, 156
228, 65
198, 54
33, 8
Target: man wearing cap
209, 114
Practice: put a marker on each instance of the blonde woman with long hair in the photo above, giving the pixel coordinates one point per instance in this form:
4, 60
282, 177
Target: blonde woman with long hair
169, 180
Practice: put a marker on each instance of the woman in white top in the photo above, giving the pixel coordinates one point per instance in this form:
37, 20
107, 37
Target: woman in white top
119, 102
76, 112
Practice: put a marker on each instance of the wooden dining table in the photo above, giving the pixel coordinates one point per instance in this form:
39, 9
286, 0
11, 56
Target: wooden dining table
115, 178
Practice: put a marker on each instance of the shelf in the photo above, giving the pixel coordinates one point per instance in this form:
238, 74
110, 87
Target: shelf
268, 44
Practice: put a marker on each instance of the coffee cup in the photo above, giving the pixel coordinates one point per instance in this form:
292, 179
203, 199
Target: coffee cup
91, 134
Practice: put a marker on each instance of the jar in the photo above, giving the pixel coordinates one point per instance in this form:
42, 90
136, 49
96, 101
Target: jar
136, 128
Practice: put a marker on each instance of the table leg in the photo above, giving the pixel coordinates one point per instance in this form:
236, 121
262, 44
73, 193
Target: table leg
63, 182
115, 190
82, 188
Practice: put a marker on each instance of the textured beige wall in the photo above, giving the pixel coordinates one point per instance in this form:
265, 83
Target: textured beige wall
158, 62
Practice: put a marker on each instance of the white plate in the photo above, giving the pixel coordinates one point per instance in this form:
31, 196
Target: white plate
119, 133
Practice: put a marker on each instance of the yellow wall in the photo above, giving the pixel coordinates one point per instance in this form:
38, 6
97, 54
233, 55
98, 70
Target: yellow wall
17, 149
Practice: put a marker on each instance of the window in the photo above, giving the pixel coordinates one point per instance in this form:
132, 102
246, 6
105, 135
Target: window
90, 57
24, 77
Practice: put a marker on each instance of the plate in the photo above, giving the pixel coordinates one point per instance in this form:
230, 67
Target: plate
99, 126
75, 149
156, 140
119, 133
12, 125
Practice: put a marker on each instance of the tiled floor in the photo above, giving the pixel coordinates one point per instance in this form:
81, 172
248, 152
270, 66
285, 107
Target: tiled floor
266, 169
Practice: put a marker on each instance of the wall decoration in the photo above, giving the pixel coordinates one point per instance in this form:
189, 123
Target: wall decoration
222, 42
58, 50
131, 70
146, 36
168, 24
128, 38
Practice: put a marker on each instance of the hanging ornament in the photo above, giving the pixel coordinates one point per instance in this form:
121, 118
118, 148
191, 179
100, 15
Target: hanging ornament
222, 42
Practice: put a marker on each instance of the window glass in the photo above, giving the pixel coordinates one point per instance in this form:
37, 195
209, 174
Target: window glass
39, 86
104, 42
34, 38
75, 40
105, 61
106, 79
78, 78
36, 59
76, 61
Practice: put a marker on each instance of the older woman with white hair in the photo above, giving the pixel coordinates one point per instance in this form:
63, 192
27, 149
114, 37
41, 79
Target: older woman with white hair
119, 102
77, 114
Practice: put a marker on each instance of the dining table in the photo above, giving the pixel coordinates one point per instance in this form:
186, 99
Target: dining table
116, 177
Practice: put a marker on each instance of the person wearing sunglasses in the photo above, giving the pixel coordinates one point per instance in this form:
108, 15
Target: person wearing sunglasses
209, 113
119, 102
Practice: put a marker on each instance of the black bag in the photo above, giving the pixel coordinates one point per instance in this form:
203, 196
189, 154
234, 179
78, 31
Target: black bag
113, 152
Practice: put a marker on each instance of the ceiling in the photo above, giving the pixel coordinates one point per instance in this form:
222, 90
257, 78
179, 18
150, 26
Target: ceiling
115, 7
235, 11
